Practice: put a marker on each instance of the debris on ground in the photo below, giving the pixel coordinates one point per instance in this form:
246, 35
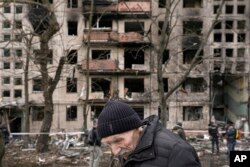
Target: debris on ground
72, 151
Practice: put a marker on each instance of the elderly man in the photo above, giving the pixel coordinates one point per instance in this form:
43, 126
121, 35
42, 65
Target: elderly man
142, 143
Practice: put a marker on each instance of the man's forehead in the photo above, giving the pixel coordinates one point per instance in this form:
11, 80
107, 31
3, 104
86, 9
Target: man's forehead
117, 136
113, 137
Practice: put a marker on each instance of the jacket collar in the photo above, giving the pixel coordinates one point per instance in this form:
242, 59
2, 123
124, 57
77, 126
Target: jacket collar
144, 149
147, 136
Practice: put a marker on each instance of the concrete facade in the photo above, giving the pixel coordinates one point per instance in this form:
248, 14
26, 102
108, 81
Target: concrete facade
123, 61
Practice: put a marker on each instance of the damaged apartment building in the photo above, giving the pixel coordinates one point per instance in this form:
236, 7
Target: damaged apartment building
117, 53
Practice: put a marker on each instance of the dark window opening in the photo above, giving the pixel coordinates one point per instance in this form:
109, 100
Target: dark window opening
101, 85
19, 65
37, 113
6, 24
6, 93
192, 113
162, 4
18, 24
165, 84
241, 52
195, 85
240, 66
72, 27
217, 25
37, 84
134, 27
229, 24
216, 8
101, 54
6, 80
17, 93
17, 81
229, 37
192, 27
18, 9
165, 56
6, 9
189, 54
95, 111
241, 9
72, 3
241, 37
134, 85
241, 24
71, 85
6, 37
72, 57
71, 113
133, 56
229, 52
217, 52
19, 52
6, 52
50, 57
229, 9
102, 22
18, 38
6, 65
217, 66
192, 3
139, 111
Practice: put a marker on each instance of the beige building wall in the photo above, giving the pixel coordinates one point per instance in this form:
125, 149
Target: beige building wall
62, 43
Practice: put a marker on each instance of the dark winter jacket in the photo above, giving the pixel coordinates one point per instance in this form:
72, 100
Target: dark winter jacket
159, 147
231, 135
213, 131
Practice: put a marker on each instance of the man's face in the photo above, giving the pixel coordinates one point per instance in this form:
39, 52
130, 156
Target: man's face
123, 144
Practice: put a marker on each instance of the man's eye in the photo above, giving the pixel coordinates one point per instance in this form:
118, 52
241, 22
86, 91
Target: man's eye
117, 141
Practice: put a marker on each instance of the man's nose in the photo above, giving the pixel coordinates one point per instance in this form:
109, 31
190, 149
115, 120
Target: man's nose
115, 149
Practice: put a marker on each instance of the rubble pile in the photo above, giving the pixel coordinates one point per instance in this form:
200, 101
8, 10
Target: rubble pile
71, 151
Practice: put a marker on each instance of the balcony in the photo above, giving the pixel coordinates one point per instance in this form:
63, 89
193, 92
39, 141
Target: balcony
101, 65
136, 6
142, 8
108, 67
116, 38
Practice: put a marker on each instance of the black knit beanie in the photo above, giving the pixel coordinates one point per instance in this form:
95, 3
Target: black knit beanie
117, 117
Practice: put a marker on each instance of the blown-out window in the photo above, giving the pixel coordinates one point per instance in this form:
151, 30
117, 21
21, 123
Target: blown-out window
71, 113
192, 113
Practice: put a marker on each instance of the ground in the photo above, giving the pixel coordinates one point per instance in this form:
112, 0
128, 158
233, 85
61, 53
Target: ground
16, 156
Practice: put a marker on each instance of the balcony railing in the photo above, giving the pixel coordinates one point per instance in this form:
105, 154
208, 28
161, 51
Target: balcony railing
100, 65
115, 37
134, 6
